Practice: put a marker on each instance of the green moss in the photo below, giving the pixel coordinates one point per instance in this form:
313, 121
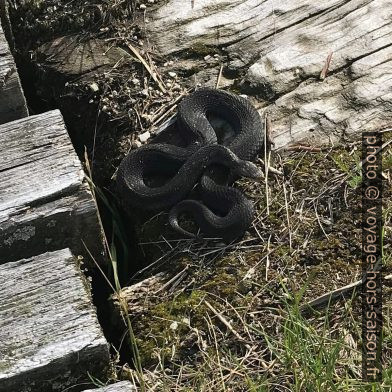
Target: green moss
166, 322
201, 49
4, 366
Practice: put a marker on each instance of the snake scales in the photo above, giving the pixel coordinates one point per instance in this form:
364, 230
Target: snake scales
209, 160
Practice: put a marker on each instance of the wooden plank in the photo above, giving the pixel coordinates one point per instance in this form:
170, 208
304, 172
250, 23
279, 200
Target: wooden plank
6, 24
45, 202
50, 337
12, 101
123, 386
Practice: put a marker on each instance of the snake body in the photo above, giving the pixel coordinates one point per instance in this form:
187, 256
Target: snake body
211, 160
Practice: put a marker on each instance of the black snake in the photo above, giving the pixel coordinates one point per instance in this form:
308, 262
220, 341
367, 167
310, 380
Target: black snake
209, 158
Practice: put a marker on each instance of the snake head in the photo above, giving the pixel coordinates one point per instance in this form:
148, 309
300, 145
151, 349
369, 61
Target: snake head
249, 170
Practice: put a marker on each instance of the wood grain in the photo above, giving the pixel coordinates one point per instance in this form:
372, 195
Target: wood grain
275, 51
45, 202
123, 386
50, 337
12, 101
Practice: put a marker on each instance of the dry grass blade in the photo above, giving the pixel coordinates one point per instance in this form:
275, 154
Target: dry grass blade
325, 299
325, 69
301, 147
287, 215
219, 77
267, 159
148, 68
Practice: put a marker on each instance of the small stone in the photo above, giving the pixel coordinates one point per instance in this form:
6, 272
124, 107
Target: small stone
142, 6
136, 81
144, 136
206, 58
174, 325
172, 74
136, 144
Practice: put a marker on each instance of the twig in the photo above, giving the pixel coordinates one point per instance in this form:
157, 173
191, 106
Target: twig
162, 113
148, 68
271, 169
325, 299
224, 321
325, 69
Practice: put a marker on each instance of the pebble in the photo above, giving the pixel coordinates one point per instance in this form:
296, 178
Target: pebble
142, 6
144, 136
172, 74
206, 58
136, 144
136, 82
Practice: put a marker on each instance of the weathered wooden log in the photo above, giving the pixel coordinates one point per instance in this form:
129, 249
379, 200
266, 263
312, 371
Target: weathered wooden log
278, 51
70, 57
6, 24
123, 386
12, 101
45, 202
50, 337
138, 296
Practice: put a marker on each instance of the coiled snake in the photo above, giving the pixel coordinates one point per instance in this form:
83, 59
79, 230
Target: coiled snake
208, 159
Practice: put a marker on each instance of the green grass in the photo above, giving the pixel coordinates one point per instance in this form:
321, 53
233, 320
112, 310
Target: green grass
118, 237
